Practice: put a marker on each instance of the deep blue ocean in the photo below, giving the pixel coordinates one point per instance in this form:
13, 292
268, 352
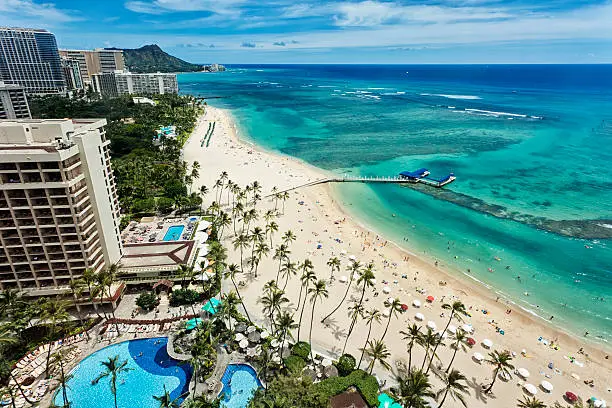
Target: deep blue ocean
530, 213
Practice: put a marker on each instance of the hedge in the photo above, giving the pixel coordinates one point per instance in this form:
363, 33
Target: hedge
364, 382
346, 365
295, 364
301, 349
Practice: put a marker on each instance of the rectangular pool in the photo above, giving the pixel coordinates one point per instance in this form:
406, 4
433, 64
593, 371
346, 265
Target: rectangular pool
174, 233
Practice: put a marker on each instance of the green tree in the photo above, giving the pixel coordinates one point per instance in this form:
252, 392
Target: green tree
501, 363
166, 401
231, 272
281, 253
377, 351
413, 336
334, 265
113, 368
318, 291
53, 313
532, 402
308, 277
413, 387
459, 342
394, 308
454, 385
147, 301
355, 311
353, 269
371, 316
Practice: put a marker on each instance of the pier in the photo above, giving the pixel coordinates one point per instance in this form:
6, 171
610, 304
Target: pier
419, 176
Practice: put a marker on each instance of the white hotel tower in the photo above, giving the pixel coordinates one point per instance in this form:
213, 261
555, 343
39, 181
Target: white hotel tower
59, 212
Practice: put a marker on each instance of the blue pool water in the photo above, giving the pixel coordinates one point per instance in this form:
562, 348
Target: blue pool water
136, 388
239, 383
174, 233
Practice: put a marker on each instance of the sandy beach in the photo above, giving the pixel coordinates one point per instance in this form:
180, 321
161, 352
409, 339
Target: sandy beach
324, 230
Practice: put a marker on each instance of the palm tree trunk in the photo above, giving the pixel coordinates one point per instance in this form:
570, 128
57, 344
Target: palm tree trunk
302, 313
350, 331
443, 398
426, 356
342, 301
299, 302
241, 301
488, 390
387, 328
410, 356
314, 300
366, 343
21, 391
452, 359
80, 317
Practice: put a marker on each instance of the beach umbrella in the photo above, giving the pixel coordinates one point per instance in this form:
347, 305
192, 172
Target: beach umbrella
467, 328
326, 362
251, 352
416, 303
244, 343
548, 387
431, 325
265, 334
374, 281
487, 343
597, 403
390, 300
571, 397
275, 343
330, 371
239, 336
387, 289
452, 329
212, 306
471, 341
478, 357
419, 316
430, 298
530, 388
251, 329
352, 257
193, 323
523, 372
575, 376
241, 327
343, 279
254, 337
404, 307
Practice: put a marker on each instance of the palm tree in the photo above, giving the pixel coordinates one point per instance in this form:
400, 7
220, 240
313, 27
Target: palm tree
412, 389
501, 362
457, 310
112, 368
241, 242
58, 360
281, 253
284, 196
318, 291
185, 272
53, 313
353, 269
261, 249
532, 402
222, 221
366, 279
394, 308
203, 192
231, 272
166, 401
355, 311
377, 351
106, 278
428, 341
272, 301
370, 317
76, 288
288, 237
89, 279
412, 335
271, 228
237, 209
460, 339
308, 277
306, 267
284, 326
454, 384
288, 270
334, 265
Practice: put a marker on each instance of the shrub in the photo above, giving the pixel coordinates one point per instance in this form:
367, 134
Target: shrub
147, 300
346, 364
184, 297
146, 205
364, 382
164, 204
295, 364
301, 349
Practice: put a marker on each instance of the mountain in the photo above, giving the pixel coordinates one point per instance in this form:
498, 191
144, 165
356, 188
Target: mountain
151, 58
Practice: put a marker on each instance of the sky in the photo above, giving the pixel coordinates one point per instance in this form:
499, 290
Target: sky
343, 31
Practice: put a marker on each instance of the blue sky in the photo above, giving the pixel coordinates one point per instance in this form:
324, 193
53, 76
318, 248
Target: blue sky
343, 31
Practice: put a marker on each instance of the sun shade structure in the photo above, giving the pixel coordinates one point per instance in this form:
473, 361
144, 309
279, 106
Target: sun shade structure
419, 316
487, 343
431, 325
571, 397
193, 323
430, 298
471, 341
163, 282
452, 329
212, 306
523, 372
416, 303
530, 389
478, 357
546, 386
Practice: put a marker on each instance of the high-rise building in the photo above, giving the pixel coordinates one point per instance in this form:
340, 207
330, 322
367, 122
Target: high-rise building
29, 57
124, 83
59, 211
72, 73
95, 61
13, 102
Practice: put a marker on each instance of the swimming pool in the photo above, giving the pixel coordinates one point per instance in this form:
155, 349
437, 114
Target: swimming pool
151, 369
174, 233
239, 383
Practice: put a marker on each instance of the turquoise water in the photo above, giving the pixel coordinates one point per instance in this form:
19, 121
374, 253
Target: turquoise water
239, 383
174, 233
530, 146
151, 369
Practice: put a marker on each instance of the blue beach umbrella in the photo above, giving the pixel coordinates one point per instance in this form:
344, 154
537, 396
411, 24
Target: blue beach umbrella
193, 323
212, 306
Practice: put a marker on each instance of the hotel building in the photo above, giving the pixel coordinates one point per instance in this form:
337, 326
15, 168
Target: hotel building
13, 102
29, 57
59, 211
95, 61
128, 83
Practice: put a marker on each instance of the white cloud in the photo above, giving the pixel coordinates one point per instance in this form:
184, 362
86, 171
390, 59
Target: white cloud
18, 12
169, 6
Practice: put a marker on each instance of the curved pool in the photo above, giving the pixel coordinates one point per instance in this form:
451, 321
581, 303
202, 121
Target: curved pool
151, 369
239, 383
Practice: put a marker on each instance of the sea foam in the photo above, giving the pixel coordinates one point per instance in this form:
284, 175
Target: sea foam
465, 97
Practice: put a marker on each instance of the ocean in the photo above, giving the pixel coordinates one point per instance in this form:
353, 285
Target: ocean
530, 214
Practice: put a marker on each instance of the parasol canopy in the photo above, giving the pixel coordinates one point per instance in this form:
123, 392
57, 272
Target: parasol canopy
416, 303
478, 357
212, 306
467, 328
431, 325
387, 289
571, 397
404, 307
523, 372
343, 279
430, 298
471, 341
546, 386
487, 343
244, 343
452, 329
193, 323
419, 316
239, 336
530, 389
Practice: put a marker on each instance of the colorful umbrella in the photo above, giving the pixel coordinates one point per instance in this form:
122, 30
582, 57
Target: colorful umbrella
430, 298
571, 397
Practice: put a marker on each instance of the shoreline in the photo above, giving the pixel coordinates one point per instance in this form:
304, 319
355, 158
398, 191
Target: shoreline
447, 271
524, 327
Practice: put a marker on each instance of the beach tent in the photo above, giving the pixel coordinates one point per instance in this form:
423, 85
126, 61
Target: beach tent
212, 306
193, 323
387, 289
467, 328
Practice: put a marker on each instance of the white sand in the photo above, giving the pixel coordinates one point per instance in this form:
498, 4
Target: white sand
314, 223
